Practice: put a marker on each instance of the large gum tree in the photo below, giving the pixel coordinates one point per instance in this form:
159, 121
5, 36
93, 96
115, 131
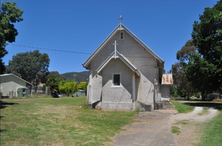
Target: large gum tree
204, 70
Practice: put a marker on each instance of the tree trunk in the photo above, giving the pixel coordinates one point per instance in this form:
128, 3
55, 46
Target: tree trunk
188, 98
204, 96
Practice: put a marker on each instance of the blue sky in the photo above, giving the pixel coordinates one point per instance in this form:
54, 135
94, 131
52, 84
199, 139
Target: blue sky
81, 26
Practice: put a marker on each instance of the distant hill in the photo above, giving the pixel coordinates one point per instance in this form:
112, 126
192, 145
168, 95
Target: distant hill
80, 76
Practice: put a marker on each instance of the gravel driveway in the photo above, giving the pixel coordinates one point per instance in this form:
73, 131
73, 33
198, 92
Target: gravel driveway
154, 128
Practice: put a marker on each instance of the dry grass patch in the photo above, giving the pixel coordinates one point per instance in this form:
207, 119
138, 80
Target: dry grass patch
62, 121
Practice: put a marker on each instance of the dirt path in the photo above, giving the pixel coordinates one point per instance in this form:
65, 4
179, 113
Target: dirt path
194, 115
154, 128
191, 125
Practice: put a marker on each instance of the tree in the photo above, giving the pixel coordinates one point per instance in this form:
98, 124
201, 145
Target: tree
9, 14
202, 74
204, 70
53, 84
31, 66
182, 85
55, 74
83, 86
186, 51
68, 87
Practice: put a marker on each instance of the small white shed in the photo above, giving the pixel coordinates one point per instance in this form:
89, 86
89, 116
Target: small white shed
167, 81
10, 83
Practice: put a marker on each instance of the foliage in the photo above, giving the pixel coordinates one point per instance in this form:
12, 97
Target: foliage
68, 87
83, 86
30, 66
48, 121
182, 108
173, 91
202, 75
9, 14
187, 50
55, 74
53, 84
205, 69
181, 83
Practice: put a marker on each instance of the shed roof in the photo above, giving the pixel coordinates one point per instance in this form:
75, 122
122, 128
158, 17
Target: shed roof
120, 27
4, 75
167, 79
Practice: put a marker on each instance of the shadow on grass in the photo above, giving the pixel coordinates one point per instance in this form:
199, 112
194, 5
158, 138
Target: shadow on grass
5, 104
206, 104
2, 130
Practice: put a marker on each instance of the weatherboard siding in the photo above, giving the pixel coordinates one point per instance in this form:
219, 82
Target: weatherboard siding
10, 83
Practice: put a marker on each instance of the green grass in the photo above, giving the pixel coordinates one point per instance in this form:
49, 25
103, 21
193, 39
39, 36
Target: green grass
58, 121
182, 122
175, 130
181, 107
212, 132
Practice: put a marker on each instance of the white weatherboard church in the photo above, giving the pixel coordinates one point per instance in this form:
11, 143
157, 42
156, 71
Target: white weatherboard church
124, 74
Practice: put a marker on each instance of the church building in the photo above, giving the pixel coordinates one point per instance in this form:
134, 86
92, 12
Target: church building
124, 74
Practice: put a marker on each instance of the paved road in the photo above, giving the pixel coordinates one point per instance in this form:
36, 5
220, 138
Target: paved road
152, 129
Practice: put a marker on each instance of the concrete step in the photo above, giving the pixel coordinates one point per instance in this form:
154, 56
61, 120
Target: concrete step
167, 105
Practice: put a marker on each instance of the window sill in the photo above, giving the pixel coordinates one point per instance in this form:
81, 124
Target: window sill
116, 86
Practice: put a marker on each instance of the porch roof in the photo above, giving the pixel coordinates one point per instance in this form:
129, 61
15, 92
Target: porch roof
115, 55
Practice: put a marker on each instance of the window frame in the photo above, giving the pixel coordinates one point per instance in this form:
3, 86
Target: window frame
115, 85
121, 35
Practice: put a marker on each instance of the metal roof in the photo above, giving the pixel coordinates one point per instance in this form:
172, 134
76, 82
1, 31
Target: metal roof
2, 75
167, 79
120, 27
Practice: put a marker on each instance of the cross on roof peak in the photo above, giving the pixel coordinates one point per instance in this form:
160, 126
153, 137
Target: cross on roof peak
120, 18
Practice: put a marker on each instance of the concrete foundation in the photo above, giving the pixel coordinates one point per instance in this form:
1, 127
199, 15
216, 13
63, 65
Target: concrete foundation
120, 106
125, 106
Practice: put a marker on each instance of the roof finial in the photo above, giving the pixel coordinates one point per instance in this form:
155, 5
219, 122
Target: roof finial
120, 18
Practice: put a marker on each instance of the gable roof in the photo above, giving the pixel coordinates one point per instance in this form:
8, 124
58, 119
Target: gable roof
3, 75
119, 28
115, 55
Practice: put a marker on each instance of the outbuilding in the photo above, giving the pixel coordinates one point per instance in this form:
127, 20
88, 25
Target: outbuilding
12, 86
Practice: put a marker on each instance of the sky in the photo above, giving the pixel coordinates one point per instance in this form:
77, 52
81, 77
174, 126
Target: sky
76, 28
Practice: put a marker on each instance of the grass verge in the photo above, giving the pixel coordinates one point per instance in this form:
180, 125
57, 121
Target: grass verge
58, 121
212, 132
182, 108
175, 130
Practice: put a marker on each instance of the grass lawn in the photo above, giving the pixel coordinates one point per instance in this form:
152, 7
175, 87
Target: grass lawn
58, 121
212, 132
181, 107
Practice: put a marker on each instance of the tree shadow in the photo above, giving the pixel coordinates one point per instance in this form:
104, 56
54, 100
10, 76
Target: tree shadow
206, 104
4, 104
2, 130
